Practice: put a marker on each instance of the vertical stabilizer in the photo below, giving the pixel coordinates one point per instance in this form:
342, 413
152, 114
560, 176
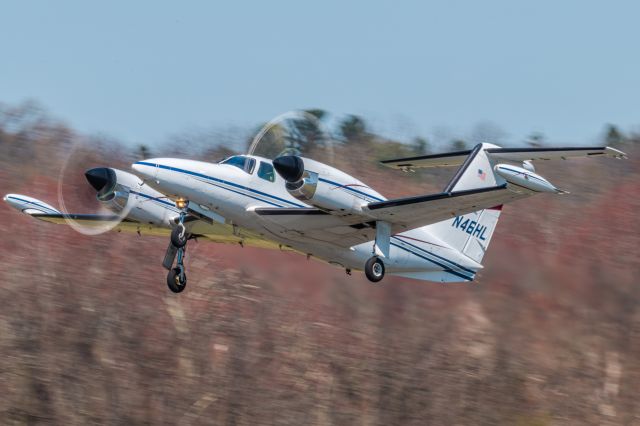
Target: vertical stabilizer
472, 232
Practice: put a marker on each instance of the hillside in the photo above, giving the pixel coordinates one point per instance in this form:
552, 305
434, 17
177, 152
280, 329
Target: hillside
548, 334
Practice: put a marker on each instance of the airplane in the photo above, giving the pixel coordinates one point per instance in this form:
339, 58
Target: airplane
296, 203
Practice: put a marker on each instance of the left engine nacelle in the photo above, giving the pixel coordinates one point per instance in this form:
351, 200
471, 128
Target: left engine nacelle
120, 191
113, 192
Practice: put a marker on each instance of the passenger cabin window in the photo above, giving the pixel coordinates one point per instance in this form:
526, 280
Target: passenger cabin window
244, 163
265, 171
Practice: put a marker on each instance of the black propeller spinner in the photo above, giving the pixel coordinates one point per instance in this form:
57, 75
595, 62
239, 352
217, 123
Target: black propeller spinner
290, 167
103, 179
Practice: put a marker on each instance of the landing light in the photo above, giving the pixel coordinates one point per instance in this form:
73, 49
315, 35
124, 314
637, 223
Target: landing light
181, 203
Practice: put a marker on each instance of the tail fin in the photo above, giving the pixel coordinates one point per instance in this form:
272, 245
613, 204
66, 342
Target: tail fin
476, 171
471, 233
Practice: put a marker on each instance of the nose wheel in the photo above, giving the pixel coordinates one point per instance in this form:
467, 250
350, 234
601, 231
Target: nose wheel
177, 279
374, 269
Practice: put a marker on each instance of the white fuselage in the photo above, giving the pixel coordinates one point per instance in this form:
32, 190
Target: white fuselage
234, 193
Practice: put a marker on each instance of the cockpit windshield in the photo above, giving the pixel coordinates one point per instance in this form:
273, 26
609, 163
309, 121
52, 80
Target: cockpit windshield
240, 161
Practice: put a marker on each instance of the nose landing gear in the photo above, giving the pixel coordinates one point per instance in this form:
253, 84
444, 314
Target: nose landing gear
177, 278
179, 235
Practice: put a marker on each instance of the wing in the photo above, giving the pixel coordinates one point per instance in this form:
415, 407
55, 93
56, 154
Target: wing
89, 220
201, 227
315, 224
402, 213
528, 154
412, 212
225, 233
506, 154
40, 210
212, 231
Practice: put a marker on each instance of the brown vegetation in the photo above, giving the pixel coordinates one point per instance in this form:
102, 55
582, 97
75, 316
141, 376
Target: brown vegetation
89, 333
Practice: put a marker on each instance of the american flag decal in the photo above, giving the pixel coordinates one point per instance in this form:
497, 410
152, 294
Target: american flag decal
481, 174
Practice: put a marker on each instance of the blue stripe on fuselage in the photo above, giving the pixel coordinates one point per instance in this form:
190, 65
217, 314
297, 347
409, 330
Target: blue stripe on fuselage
166, 204
445, 268
203, 176
240, 193
420, 252
348, 188
470, 271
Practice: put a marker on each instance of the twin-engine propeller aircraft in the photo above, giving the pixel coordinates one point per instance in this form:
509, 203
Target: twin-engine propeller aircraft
317, 210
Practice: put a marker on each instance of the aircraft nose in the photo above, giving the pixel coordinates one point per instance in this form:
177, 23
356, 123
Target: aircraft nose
145, 169
100, 178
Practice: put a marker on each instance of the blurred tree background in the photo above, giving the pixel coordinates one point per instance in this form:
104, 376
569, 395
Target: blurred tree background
89, 334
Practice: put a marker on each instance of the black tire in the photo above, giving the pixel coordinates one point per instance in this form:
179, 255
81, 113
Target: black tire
374, 269
174, 282
175, 237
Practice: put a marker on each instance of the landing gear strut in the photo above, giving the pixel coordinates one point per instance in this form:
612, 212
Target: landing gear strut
374, 269
177, 278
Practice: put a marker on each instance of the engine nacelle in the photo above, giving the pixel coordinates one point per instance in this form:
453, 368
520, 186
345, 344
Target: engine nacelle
323, 186
112, 193
305, 188
123, 192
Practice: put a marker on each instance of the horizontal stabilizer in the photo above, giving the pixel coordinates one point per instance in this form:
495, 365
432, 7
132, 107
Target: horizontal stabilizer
457, 158
436, 160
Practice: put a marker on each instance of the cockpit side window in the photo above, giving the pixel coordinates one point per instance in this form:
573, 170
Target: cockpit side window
250, 165
265, 171
245, 163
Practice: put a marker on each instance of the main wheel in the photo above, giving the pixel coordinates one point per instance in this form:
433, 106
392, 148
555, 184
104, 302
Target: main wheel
179, 236
175, 283
374, 269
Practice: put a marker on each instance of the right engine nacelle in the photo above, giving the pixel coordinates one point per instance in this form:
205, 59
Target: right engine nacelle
323, 186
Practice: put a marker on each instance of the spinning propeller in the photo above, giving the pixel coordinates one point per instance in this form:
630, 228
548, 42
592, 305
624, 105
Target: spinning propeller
291, 134
112, 207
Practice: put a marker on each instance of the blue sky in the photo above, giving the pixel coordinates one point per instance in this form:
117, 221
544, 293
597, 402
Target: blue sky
143, 70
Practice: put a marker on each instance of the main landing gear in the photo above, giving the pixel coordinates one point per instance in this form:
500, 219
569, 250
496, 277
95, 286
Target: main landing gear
177, 278
374, 269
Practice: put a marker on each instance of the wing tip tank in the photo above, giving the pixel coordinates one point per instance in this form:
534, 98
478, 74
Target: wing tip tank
615, 153
29, 205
